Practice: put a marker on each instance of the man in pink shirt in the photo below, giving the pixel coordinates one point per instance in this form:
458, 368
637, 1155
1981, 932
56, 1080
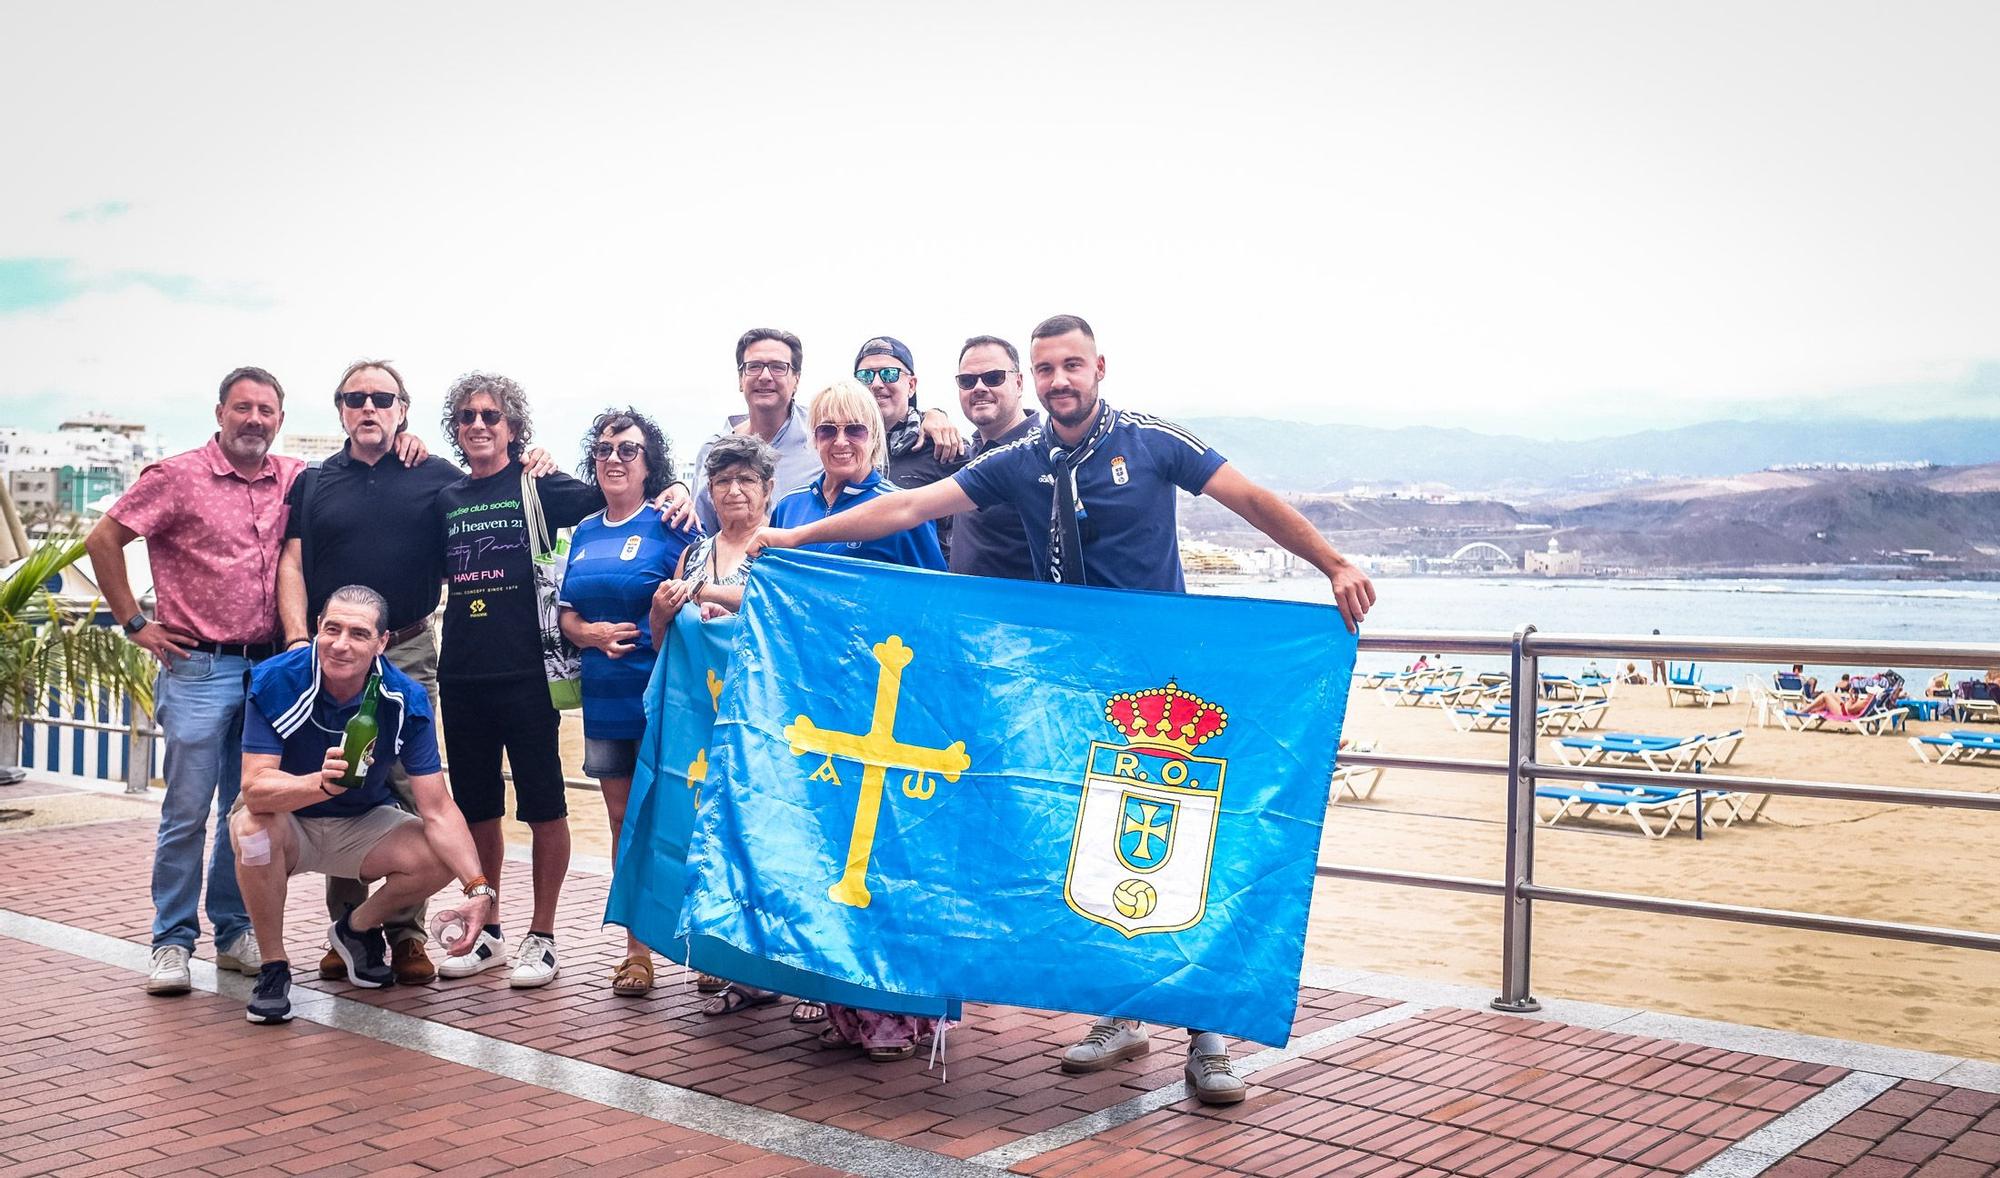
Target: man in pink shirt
214, 520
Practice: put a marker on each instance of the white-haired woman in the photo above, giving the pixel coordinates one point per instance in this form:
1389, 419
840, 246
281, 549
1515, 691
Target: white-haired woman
847, 431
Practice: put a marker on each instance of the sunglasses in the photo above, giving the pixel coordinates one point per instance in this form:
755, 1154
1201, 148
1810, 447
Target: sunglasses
357, 400
855, 431
489, 416
774, 367
888, 375
626, 451
992, 378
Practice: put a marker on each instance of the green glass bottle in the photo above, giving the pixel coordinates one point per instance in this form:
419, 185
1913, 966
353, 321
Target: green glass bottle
361, 733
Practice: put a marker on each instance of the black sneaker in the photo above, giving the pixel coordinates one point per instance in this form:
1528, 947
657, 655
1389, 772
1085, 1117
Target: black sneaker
271, 1001
363, 954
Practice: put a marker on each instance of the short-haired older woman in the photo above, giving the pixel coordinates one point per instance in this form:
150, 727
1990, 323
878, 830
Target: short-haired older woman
853, 451
847, 429
617, 560
492, 690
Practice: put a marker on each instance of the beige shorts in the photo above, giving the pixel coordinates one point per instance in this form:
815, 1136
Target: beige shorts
336, 846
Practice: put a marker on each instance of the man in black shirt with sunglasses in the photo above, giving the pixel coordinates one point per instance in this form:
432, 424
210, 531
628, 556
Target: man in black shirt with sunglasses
363, 517
991, 541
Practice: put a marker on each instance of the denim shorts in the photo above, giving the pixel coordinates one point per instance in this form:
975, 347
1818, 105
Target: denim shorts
609, 758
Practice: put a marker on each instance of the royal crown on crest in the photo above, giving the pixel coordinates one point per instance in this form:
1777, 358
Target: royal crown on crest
1164, 720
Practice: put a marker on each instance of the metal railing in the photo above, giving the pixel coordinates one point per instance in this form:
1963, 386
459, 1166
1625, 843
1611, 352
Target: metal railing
1519, 890
95, 739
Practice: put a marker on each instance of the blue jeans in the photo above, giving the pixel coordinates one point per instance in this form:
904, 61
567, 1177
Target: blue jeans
199, 701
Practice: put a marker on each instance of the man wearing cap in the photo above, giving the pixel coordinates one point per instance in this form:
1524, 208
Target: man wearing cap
363, 517
886, 369
767, 371
989, 541
213, 518
1094, 487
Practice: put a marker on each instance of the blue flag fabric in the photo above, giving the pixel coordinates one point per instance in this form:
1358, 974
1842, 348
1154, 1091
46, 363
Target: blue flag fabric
1047, 796
667, 786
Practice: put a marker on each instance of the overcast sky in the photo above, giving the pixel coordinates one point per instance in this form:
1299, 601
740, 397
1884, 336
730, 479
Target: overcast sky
1555, 219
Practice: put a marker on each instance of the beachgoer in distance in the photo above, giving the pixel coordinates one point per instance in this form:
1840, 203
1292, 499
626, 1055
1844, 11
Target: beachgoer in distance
1659, 665
617, 559
1105, 516
1807, 683
1841, 703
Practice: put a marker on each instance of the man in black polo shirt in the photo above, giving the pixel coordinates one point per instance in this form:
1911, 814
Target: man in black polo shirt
363, 517
990, 541
884, 366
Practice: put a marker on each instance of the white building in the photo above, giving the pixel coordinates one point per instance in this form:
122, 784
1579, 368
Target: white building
1553, 563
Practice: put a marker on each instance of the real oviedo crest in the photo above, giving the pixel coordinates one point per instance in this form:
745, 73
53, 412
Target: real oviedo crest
1145, 830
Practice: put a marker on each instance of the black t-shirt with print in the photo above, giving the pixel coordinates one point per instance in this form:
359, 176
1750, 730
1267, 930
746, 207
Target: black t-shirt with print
491, 629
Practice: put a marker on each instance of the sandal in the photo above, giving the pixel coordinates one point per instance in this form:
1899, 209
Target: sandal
892, 1054
737, 999
634, 976
808, 1012
708, 983
832, 1038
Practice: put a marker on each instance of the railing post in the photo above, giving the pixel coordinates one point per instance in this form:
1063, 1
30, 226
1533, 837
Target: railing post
138, 755
1517, 920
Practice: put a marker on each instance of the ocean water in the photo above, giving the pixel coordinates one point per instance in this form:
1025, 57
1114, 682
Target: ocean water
1925, 611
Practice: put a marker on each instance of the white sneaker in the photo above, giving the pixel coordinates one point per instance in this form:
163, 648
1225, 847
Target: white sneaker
487, 952
244, 956
1110, 1041
170, 971
535, 965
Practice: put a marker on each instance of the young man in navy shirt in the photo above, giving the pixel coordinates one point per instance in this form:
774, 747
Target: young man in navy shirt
1094, 486
293, 814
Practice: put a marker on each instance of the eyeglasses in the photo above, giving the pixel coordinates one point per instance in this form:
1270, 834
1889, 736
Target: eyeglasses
626, 451
992, 378
774, 367
490, 416
888, 375
357, 400
854, 431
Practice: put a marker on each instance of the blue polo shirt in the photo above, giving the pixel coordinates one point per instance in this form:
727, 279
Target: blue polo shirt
288, 716
613, 570
915, 548
1132, 537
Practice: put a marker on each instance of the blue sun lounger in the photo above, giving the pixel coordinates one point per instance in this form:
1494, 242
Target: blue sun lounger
1958, 745
1664, 804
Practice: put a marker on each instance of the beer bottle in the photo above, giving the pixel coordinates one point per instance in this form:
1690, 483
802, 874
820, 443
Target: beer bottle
361, 732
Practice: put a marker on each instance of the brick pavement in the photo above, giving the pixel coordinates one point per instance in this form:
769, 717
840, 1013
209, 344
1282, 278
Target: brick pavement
1445, 1091
1912, 1129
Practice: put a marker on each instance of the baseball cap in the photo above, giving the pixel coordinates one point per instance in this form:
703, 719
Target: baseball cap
887, 345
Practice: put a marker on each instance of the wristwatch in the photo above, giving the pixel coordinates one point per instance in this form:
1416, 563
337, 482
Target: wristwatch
485, 890
137, 622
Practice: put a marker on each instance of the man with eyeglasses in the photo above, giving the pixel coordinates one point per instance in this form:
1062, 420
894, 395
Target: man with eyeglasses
363, 517
1095, 489
989, 541
767, 371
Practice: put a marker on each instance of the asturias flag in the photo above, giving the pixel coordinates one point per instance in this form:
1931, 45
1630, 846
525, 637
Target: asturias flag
1040, 795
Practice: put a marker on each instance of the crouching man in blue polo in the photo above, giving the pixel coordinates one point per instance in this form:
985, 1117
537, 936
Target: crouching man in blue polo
293, 815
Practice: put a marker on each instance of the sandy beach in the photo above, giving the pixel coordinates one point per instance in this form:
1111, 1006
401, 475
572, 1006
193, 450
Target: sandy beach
1887, 862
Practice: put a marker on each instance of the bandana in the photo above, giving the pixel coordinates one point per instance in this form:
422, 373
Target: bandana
1069, 522
907, 435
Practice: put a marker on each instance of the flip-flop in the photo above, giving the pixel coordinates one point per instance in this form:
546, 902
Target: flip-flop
735, 1000
831, 1037
708, 983
892, 1054
807, 1013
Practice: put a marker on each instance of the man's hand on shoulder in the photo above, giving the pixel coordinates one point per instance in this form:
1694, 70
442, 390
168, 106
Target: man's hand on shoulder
538, 463
676, 507
943, 436
1353, 592
410, 449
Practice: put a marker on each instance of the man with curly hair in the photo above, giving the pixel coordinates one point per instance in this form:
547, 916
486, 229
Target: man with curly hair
491, 685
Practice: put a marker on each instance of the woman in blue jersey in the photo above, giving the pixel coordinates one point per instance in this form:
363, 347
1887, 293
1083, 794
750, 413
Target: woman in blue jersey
617, 559
847, 430
853, 452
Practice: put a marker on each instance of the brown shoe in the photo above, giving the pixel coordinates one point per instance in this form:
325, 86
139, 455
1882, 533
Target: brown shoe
332, 968
411, 965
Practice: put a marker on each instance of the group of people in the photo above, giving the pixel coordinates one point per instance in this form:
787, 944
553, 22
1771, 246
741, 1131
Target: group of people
288, 599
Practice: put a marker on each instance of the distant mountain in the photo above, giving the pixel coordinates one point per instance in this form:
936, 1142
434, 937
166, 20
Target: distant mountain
1297, 457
